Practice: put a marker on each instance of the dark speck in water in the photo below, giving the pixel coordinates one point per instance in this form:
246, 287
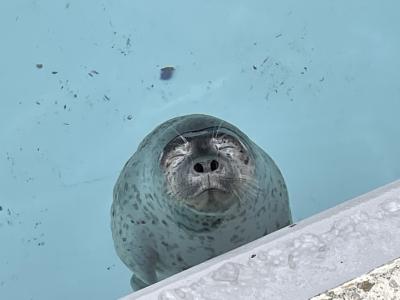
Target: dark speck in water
39, 66
166, 73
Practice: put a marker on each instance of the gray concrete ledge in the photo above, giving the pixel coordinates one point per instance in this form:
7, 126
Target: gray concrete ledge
381, 283
298, 262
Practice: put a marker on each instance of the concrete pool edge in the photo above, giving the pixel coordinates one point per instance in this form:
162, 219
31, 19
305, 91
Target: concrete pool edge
317, 224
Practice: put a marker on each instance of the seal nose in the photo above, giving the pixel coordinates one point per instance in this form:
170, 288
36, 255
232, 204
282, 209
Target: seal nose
206, 167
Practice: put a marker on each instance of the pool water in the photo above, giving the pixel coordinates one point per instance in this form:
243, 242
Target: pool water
315, 85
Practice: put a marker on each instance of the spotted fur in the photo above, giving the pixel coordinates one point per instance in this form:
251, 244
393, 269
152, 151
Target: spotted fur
156, 238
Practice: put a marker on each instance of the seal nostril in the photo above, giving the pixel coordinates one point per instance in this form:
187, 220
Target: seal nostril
198, 168
214, 165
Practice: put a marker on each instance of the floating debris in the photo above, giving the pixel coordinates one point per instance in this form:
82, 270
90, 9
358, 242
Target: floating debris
278, 35
265, 60
92, 73
54, 72
167, 73
37, 224
106, 98
129, 117
39, 66
150, 87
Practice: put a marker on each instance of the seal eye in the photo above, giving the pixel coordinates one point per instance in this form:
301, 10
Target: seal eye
226, 147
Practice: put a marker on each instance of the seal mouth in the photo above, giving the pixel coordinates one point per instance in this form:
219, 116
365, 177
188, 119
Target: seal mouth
211, 191
212, 200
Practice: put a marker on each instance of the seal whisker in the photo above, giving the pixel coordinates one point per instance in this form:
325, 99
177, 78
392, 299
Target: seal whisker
246, 180
184, 140
242, 178
249, 190
218, 128
173, 194
247, 186
236, 193
216, 133
180, 135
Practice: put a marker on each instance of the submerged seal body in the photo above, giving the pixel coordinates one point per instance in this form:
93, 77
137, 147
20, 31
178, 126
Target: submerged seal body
196, 187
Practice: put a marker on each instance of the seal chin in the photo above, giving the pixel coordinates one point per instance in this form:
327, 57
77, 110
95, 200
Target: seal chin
212, 200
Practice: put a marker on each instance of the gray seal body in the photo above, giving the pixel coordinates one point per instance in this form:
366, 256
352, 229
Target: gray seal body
196, 187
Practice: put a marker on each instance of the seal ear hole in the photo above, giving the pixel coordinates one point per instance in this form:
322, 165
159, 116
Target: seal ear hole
198, 168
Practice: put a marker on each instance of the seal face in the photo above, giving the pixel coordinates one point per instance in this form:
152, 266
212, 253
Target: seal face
195, 188
204, 169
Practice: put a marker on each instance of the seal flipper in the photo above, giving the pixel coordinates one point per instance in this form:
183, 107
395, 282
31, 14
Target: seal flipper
144, 272
137, 284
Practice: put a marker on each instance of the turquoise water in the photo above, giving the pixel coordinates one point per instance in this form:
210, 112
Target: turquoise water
315, 84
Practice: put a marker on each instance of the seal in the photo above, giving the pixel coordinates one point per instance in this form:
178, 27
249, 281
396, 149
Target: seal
195, 188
